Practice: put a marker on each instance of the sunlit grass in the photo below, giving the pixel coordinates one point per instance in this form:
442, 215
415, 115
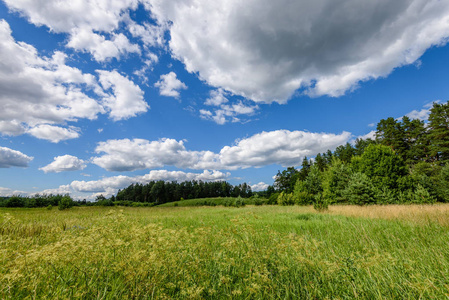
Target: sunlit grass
220, 252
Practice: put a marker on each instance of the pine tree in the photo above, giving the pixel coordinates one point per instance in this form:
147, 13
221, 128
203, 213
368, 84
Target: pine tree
439, 132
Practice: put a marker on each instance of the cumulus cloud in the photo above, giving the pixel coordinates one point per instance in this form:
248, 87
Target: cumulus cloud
150, 35
422, 114
369, 135
80, 19
7, 192
54, 134
223, 112
127, 99
169, 85
13, 158
266, 50
261, 186
64, 163
99, 47
62, 16
282, 147
38, 90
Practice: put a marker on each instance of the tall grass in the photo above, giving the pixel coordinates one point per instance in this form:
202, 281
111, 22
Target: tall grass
217, 252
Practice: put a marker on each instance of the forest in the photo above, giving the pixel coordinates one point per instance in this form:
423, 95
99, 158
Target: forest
406, 162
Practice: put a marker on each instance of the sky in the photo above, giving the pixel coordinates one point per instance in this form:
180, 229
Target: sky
98, 94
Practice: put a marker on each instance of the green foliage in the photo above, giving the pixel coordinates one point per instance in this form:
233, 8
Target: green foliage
285, 180
15, 201
301, 195
50, 207
65, 203
421, 196
273, 199
360, 190
160, 192
382, 166
439, 132
285, 199
442, 184
335, 180
305, 191
385, 196
320, 204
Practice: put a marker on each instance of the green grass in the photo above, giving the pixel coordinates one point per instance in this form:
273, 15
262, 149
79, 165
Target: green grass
265, 252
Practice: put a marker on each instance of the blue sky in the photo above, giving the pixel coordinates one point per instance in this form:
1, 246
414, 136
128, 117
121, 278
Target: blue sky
98, 94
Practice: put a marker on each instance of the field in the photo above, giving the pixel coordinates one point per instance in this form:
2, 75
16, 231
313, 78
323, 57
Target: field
252, 252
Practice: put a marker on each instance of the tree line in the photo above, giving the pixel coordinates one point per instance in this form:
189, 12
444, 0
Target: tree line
406, 162
159, 192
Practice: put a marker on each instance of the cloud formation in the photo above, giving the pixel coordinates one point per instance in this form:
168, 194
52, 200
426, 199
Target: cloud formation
64, 163
83, 21
127, 99
99, 47
222, 112
266, 50
261, 186
283, 147
54, 134
40, 92
13, 158
169, 85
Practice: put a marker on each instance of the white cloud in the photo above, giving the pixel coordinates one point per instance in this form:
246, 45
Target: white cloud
7, 192
99, 47
13, 158
369, 135
169, 85
265, 50
282, 147
84, 21
39, 90
64, 163
127, 100
422, 114
63, 16
148, 63
129, 155
217, 98
222, 112
54, 134
261, 186
151, 35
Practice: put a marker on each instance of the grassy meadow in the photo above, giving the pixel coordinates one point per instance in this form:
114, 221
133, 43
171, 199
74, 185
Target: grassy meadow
252, 252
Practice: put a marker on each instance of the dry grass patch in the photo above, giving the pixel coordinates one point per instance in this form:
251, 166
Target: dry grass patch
421, 214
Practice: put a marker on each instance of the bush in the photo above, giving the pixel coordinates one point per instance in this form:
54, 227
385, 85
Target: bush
285, 199
273, 199
422, 196
320, 204
15, 201
65, 203
360, 190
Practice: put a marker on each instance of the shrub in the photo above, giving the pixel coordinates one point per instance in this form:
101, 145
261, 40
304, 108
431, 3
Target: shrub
285, 199
360, 190
320, 203
65, 203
